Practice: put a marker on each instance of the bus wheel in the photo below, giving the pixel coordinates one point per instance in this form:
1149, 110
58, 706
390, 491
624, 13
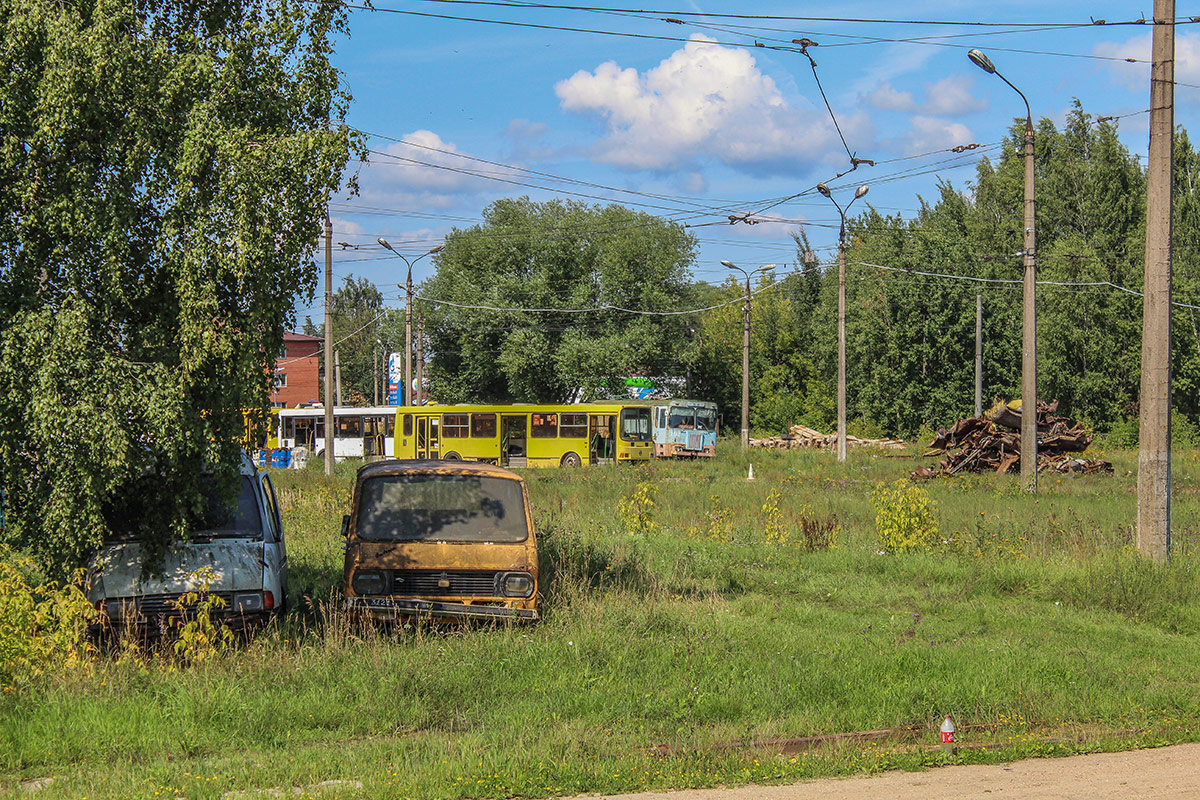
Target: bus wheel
452, 456
571, 460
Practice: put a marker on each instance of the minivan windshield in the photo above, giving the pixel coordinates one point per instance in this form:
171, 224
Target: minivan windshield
215, 517
441, 508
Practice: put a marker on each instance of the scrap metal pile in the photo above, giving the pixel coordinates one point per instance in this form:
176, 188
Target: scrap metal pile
993, 442
801, 436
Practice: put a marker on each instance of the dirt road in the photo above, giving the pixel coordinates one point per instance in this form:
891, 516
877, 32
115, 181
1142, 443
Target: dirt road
1167, 773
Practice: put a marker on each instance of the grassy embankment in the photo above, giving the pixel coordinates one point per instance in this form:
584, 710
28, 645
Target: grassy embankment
699, 628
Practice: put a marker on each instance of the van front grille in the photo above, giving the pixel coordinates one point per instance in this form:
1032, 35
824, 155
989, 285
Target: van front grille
433, 583
153, 606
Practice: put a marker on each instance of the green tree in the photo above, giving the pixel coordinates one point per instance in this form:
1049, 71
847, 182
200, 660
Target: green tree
360, 327
556, 255
163, 171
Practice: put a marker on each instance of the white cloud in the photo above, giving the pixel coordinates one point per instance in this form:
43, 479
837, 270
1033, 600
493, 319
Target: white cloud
950, 96
423, 171
704, 100
345, 227
1137, 76
932, 133
886, 97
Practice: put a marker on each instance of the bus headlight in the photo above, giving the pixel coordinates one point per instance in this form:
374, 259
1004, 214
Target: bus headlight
516, 584
369, 581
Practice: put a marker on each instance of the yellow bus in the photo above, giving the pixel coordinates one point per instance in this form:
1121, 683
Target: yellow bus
526, 435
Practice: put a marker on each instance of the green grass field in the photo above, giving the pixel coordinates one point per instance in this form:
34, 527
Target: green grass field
684, 619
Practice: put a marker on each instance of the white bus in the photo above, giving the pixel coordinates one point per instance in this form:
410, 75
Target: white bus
358, 432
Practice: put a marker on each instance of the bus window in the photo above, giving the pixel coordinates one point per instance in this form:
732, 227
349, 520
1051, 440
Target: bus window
349, 426
545, 426
408, 424
574, 426
662, 417
455, 426
390, 430
682, 418
483, 426
706, 419
635, 424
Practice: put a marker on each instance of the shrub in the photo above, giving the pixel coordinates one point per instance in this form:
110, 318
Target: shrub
637, 509
43, 627
905, 517
198, 636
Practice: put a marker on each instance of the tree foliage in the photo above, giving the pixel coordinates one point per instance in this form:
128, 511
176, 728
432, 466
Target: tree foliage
556, 255
363, 329
163, 169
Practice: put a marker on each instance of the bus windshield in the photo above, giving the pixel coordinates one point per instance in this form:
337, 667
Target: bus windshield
441, 508
635, 424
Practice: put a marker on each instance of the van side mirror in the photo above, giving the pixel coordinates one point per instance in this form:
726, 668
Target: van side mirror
345, 525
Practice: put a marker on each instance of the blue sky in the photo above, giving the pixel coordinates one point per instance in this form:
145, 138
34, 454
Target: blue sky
694, 123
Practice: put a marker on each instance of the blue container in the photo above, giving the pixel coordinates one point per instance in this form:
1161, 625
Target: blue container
281, 459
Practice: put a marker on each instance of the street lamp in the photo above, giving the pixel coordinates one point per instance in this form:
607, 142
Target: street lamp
841, 380
746, 349
407, 393
1029, 313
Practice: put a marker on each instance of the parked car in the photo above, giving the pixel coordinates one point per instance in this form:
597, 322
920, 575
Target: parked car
442, 540
238, 549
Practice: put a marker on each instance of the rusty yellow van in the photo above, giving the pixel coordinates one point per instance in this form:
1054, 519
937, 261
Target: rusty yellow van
437, 539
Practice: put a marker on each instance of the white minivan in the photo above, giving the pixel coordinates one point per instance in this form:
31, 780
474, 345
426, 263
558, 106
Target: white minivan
240, 549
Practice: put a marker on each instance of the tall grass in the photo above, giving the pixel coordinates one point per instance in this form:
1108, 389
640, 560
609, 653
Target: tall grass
664, 644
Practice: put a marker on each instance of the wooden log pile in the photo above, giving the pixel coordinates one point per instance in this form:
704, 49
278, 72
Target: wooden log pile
992, 442
799, 436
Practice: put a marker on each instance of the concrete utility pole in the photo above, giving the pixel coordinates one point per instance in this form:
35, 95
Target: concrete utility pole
841, 387
1029, 306
406, 391
978, 355
420, 355
328, 345
746, 349
1154, 430
337, 375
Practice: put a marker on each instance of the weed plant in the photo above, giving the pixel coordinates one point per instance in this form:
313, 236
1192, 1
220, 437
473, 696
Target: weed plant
724, 612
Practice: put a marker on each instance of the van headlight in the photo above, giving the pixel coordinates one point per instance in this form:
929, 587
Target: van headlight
369, 581
516, 584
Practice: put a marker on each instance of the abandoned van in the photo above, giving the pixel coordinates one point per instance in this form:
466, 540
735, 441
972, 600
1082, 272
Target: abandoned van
438, 539
238, 549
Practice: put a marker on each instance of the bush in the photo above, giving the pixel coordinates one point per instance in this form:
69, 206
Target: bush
905, 517
43, 627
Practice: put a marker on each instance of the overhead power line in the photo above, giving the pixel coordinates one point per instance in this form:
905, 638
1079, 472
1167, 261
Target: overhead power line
657, 37
975, 279
878, 20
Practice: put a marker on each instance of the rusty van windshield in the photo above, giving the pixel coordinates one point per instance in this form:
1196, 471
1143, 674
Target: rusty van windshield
412, 507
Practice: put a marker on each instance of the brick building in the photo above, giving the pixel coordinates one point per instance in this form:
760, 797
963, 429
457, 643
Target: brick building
296, 376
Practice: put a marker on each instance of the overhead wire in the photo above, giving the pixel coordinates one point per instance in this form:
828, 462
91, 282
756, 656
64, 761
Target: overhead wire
657, 37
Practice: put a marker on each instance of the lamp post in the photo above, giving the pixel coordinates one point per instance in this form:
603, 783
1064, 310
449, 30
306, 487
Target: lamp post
407, 392
746, 349
841, 387
1029, 313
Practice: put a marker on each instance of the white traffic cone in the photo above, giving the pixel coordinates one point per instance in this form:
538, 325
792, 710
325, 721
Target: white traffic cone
750, 477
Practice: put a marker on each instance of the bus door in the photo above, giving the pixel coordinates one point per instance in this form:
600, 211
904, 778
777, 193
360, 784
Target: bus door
602, 445
513, 451
373, 436
427, 437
